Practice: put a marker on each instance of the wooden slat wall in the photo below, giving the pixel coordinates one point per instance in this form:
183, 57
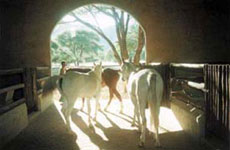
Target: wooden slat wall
217, 80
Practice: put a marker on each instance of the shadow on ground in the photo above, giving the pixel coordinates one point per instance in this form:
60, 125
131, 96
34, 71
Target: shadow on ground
46, 132
123, 139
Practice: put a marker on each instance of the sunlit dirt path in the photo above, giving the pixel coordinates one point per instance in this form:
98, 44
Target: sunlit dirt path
113, 131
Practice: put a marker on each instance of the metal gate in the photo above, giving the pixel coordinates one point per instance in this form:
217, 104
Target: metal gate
217, 80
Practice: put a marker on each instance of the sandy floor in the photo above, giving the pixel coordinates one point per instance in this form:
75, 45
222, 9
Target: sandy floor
112, 131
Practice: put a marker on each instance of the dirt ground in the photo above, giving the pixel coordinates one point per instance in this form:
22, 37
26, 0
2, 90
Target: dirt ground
112, 131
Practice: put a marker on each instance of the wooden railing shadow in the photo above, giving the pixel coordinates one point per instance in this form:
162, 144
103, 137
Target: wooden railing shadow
128, 139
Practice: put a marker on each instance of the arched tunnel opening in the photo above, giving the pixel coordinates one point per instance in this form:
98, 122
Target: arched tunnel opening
94, 33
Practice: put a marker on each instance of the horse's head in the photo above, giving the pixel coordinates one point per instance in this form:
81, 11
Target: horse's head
126, 69
98, 69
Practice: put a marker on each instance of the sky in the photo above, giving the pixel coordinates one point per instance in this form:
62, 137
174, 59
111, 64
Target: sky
103, 20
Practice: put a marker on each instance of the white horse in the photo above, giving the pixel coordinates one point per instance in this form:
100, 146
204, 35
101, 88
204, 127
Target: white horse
145, 87
75, 85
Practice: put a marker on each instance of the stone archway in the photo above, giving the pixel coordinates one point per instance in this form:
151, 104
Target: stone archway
173, 30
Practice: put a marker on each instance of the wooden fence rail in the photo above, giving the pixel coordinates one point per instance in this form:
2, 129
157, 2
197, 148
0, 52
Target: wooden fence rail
22, 85
187, 85
12, 93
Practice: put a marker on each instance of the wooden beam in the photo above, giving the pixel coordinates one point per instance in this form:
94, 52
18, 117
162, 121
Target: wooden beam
13, 87
42, 79
182, 72
43, 68
11, 106
11, 71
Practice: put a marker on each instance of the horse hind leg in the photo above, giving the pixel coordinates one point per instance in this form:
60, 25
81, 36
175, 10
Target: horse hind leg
154, 110
97, 106
156, 126
110, 99
89, 112
83, 103
119, 97
143, 127
66, 110
136, 112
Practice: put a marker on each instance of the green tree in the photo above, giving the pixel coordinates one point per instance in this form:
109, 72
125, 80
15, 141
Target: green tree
75, 48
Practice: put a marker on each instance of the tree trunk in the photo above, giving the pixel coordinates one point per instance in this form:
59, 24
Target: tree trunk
121, 31
116, 55
141, 43
124, 51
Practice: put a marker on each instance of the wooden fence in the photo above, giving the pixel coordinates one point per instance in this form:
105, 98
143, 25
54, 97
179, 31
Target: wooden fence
11, 92
187, 85
21, 85
217, 80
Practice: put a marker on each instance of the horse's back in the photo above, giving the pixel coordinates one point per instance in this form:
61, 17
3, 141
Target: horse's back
153, 82
79, 84
140, 81
110, 76
82, 70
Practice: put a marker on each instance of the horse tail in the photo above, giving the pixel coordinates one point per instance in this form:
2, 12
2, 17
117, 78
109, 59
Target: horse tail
155, 97
50, 84
152, 97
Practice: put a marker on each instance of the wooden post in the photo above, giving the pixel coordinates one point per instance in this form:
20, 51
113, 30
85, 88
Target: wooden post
28, 80
206, 98
34, 88
168, 85
165, 72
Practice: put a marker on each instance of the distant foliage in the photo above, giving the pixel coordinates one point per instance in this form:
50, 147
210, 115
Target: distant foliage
83, 46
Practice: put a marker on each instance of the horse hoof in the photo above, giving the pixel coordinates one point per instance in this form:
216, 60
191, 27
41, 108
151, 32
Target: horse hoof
141, 145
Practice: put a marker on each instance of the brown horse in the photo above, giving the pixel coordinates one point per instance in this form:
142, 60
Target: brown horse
110, 78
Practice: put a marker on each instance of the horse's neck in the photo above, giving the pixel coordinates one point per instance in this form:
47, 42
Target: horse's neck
134, 69
96, 74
